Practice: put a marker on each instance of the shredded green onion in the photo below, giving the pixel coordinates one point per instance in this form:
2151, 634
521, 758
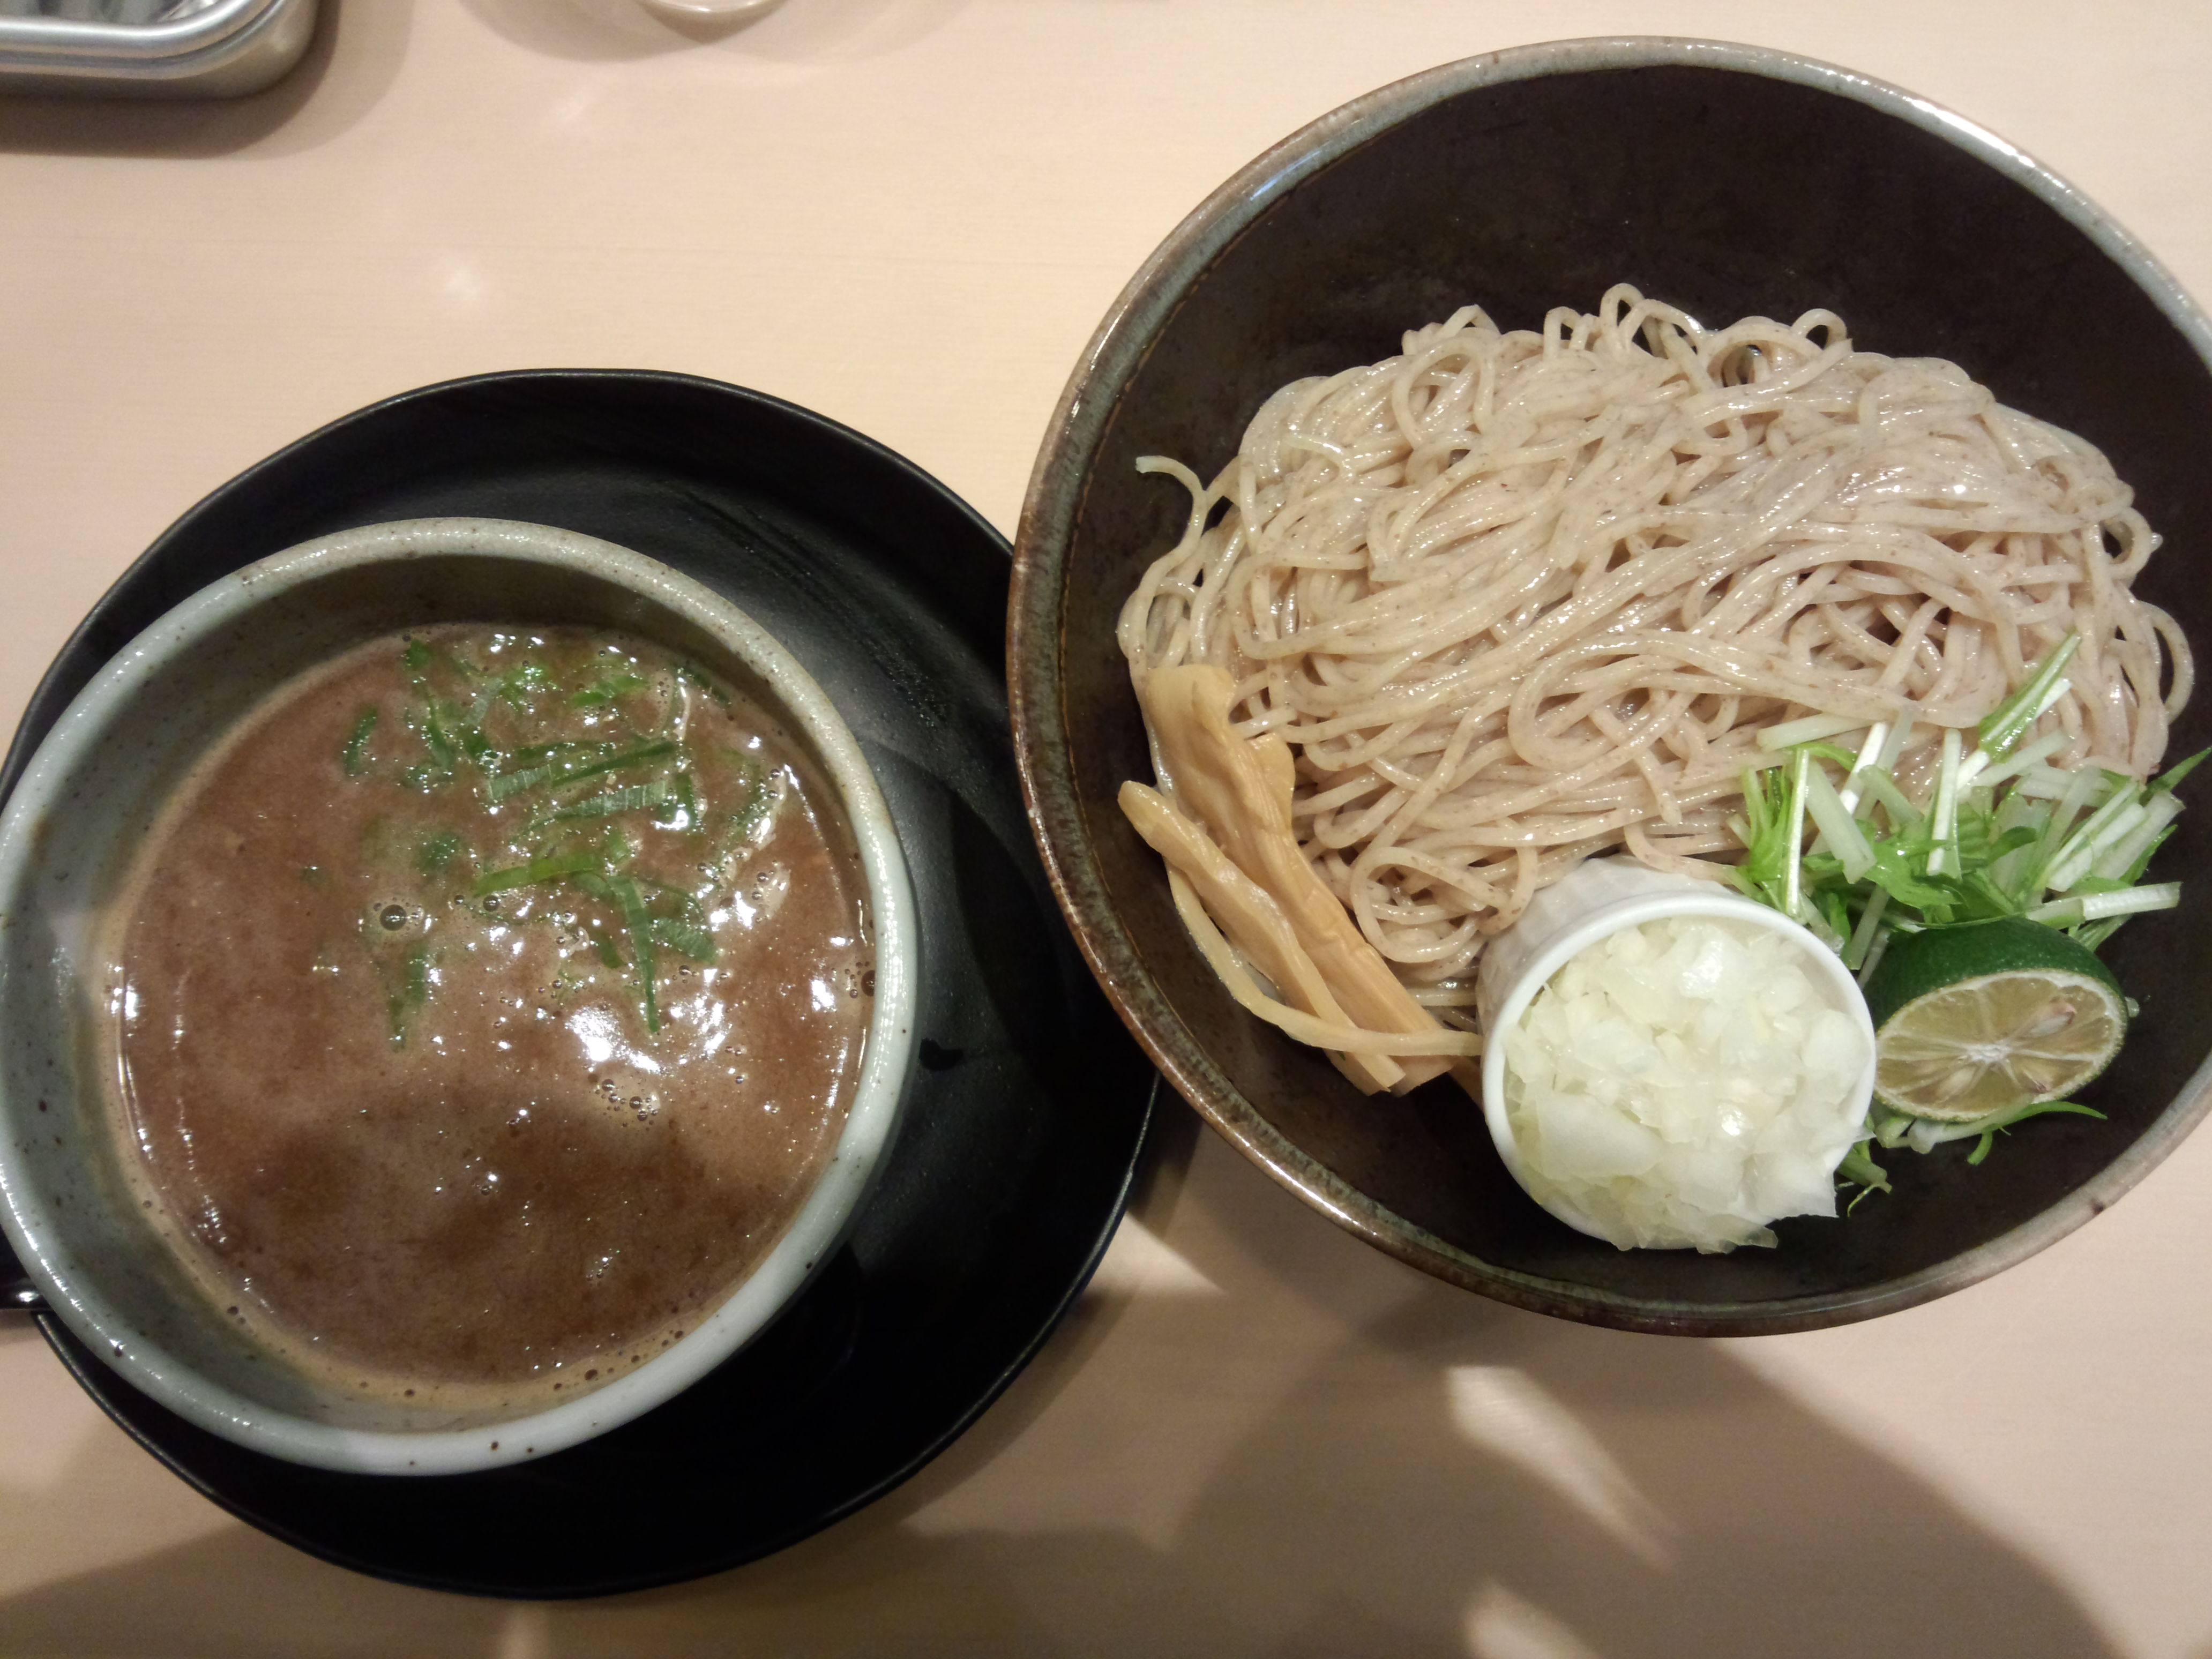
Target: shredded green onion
555, 868
631, 798
2010, 720
2005, 833
553, 774
355, 758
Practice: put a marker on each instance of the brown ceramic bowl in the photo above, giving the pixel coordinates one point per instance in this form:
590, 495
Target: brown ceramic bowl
1730, 180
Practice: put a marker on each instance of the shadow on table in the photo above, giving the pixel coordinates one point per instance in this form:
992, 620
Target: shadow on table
354, 57
784, 30
1280, 1444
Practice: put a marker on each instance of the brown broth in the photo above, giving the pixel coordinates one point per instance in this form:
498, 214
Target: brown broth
417, 1129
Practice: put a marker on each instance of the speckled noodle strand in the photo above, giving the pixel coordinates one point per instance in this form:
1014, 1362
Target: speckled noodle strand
1515, 599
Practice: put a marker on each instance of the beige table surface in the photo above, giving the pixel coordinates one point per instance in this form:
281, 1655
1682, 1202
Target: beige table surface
1254, 1436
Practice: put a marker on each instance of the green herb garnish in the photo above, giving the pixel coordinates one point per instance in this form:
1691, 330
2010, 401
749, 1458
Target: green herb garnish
684, 938
553, 868
601, 779
631, 798
2005, 834
605, 689
411, 992
552, 774
438, 852
355, 758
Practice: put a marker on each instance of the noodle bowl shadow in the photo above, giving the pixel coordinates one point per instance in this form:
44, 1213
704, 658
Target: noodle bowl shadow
1732, 181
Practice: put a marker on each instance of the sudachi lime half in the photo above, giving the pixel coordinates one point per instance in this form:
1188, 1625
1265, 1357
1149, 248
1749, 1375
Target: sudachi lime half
1990, 1015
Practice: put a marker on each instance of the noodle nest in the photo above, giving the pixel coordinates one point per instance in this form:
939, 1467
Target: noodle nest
1514, 599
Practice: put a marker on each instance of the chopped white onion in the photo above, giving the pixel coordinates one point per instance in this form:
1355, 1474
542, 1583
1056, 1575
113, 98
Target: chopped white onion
1683, 1083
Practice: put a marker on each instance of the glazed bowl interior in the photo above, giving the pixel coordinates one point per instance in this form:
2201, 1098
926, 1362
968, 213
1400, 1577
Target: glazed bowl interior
1730, 181
86, 803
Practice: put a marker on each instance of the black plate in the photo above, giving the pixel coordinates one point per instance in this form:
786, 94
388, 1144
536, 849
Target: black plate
1019, 1136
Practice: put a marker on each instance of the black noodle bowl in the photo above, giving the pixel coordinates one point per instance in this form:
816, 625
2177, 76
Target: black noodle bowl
1520, 181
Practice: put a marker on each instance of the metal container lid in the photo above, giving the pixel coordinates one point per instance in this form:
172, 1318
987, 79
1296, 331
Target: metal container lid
150, 48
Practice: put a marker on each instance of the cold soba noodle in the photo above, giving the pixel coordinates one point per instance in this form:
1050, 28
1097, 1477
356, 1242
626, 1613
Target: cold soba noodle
1474, 613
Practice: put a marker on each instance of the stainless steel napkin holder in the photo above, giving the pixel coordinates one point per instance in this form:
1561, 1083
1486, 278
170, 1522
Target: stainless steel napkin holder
150, 48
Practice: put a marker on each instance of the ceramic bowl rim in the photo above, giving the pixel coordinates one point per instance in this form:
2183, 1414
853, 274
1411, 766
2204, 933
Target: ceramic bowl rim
839, 1192
1034, 622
